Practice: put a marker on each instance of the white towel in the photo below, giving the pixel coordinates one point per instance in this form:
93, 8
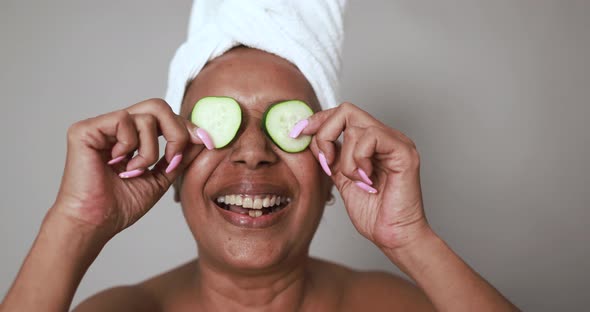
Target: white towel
308, 33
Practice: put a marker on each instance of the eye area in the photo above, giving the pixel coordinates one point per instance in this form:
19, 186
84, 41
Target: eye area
280, 118
221, 117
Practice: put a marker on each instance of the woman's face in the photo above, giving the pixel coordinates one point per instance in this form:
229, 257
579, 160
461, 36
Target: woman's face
252, 166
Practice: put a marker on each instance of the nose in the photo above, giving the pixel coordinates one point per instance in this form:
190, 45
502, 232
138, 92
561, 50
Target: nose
252, 147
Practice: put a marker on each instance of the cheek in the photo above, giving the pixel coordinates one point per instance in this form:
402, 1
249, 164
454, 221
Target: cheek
314, 187
191, 190
309, 174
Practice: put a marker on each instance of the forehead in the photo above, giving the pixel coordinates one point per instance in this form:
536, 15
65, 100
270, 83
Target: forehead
254, 78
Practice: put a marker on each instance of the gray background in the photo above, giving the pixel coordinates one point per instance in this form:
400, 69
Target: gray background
494, 93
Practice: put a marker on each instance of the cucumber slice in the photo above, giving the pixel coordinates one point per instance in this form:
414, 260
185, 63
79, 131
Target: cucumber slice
220, 116
280, 118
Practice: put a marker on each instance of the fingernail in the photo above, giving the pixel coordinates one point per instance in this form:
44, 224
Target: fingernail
131, 174
324, 164
204, 136
174, 163
365, 187
297, 128
364, 176
116, 160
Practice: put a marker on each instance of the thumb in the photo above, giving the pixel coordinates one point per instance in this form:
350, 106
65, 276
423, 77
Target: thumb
167, 172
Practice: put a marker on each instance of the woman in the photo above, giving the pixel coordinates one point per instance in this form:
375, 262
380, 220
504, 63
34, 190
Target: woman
246, 263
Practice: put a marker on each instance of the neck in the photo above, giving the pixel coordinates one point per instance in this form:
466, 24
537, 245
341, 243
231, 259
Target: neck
281, 288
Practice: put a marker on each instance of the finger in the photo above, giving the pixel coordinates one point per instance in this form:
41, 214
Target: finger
147, 151
174, 132
166, 174
333, 149
345, 112
395, 152
115, 131
363, 153
330, 124
198, 135
347, 163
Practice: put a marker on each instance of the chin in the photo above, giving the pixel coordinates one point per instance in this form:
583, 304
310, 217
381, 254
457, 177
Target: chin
249, 254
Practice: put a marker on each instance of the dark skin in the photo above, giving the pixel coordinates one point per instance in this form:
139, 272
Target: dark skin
247, 266
288, 277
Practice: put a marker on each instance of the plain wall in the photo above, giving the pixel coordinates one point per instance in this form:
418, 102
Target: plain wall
494, 93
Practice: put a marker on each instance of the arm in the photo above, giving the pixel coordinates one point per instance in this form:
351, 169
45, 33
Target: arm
51, 272
102, 193
377, 172
449, 283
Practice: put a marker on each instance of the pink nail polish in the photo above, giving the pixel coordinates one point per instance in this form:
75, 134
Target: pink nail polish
174, 163
364, 176
116, 160
204, 136
297, 128
131, 173
365, 187
324, 164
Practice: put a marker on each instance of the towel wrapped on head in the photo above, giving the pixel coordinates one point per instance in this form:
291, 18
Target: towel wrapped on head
308, 33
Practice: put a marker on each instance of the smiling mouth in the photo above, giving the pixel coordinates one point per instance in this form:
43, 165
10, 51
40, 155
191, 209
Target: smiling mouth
253, 205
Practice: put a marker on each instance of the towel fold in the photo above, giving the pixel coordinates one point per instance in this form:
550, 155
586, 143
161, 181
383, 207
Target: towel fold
308, 33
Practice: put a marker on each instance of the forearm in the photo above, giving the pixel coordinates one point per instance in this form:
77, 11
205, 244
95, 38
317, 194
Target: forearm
449, 283
51, 272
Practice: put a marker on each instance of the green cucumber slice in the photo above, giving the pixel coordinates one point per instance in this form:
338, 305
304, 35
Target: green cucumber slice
220, 116
280, 118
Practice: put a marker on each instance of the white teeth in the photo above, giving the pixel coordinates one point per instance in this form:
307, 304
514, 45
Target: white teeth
253, 202
255, 213
257, 203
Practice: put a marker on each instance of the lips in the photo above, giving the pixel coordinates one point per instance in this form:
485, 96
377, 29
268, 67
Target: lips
253, 205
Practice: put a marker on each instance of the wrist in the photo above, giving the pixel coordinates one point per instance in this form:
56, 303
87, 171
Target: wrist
420, 244
62, 226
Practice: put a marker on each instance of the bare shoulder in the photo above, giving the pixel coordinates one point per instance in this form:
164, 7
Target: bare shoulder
150, 295
383, 290
375, 290
120, 298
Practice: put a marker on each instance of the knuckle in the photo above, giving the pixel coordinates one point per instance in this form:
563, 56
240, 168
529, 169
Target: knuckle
149, 157
412, 158
349, 134
347, 106
81, 132
374, 130
75, 129
121, 115
159, 105
145, 119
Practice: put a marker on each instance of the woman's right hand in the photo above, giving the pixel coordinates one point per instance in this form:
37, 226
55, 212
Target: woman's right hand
103, 188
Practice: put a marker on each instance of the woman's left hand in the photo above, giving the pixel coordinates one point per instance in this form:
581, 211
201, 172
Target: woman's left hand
376, 171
